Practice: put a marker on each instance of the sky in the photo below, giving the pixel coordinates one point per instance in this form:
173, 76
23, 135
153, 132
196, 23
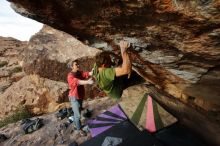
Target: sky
14, 25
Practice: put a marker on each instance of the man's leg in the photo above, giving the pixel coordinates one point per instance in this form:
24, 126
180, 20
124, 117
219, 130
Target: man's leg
76, 110
80, 105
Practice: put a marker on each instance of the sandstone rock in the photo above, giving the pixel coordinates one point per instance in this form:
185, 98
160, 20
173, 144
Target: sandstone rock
50, 50
164, 35
17, 76
39, 95
4, 73
4, 85
10, 56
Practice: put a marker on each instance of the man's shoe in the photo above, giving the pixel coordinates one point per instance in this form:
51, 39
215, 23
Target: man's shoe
71, 119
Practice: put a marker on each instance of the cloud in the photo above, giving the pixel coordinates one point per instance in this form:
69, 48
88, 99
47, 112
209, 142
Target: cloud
15, 25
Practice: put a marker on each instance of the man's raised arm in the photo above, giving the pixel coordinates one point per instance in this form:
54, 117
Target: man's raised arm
126, 63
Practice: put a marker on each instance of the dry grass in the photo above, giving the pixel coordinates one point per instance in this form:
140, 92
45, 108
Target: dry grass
19, 114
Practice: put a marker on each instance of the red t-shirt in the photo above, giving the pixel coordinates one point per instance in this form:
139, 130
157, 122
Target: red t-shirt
78, 91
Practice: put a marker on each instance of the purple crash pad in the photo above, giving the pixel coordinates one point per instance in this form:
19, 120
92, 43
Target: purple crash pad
106, 120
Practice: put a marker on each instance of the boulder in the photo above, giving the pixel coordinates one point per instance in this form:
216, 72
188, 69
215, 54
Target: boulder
49, 52
38, 95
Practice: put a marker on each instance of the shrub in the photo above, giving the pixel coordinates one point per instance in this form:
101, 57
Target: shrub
3, 63
16, 69
19, 114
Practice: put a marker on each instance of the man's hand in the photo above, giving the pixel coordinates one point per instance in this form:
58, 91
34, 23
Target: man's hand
90, 81
84, 82
125, 69
91, 72
124, 45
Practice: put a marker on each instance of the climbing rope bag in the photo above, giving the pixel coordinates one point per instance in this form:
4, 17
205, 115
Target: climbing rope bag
30, 126
62, 113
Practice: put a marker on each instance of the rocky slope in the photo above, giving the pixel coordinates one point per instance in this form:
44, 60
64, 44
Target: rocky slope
54, 132
10, 61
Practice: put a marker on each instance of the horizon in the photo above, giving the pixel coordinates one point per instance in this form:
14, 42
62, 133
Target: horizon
16, 26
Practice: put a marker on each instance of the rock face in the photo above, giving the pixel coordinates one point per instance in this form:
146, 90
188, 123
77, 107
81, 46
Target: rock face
175, 44
39, 95
175, 40
10, 59
49, 51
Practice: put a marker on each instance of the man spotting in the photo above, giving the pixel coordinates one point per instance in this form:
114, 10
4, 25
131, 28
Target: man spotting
76, 80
